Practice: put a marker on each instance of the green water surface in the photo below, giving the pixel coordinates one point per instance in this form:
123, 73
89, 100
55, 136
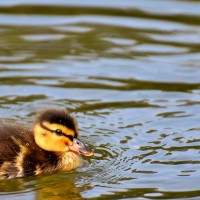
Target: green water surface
129, 71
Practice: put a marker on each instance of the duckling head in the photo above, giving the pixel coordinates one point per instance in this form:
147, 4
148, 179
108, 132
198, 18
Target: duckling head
57, 131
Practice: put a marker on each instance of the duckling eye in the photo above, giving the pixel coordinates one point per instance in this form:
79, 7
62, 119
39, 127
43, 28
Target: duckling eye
58, 132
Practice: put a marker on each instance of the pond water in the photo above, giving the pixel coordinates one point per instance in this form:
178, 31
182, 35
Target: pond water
129, 71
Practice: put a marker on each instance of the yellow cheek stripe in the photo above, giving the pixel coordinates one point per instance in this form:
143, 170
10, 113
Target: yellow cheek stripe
50, 142
55, 126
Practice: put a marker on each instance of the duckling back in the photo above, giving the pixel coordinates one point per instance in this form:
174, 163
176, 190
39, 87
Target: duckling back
20, 156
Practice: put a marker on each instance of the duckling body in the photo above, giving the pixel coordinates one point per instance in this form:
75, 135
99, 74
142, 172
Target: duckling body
51, 145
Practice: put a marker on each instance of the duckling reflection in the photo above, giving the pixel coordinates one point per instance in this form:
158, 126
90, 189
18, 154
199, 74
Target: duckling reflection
12, 185
55, 187
51, 145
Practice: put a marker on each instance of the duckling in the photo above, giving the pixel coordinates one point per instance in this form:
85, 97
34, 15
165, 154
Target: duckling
51, 145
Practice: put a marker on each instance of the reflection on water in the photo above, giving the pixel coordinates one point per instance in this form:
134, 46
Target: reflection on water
129, 72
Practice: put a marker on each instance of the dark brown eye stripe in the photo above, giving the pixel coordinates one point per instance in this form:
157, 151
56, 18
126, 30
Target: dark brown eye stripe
54, 131
63, 134
68, 136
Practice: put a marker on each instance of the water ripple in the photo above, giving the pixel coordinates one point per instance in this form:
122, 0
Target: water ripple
129, 72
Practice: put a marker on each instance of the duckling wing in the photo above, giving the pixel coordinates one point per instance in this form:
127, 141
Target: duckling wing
20, 156
13, 149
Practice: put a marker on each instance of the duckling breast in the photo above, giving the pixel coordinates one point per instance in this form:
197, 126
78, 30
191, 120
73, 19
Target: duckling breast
70, 160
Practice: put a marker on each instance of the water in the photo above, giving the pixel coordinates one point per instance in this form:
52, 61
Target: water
129, 71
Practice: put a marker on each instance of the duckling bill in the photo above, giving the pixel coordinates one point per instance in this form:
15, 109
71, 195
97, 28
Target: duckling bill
51, 145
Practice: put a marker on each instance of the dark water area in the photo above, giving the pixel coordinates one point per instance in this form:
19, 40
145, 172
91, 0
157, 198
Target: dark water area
129, 71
